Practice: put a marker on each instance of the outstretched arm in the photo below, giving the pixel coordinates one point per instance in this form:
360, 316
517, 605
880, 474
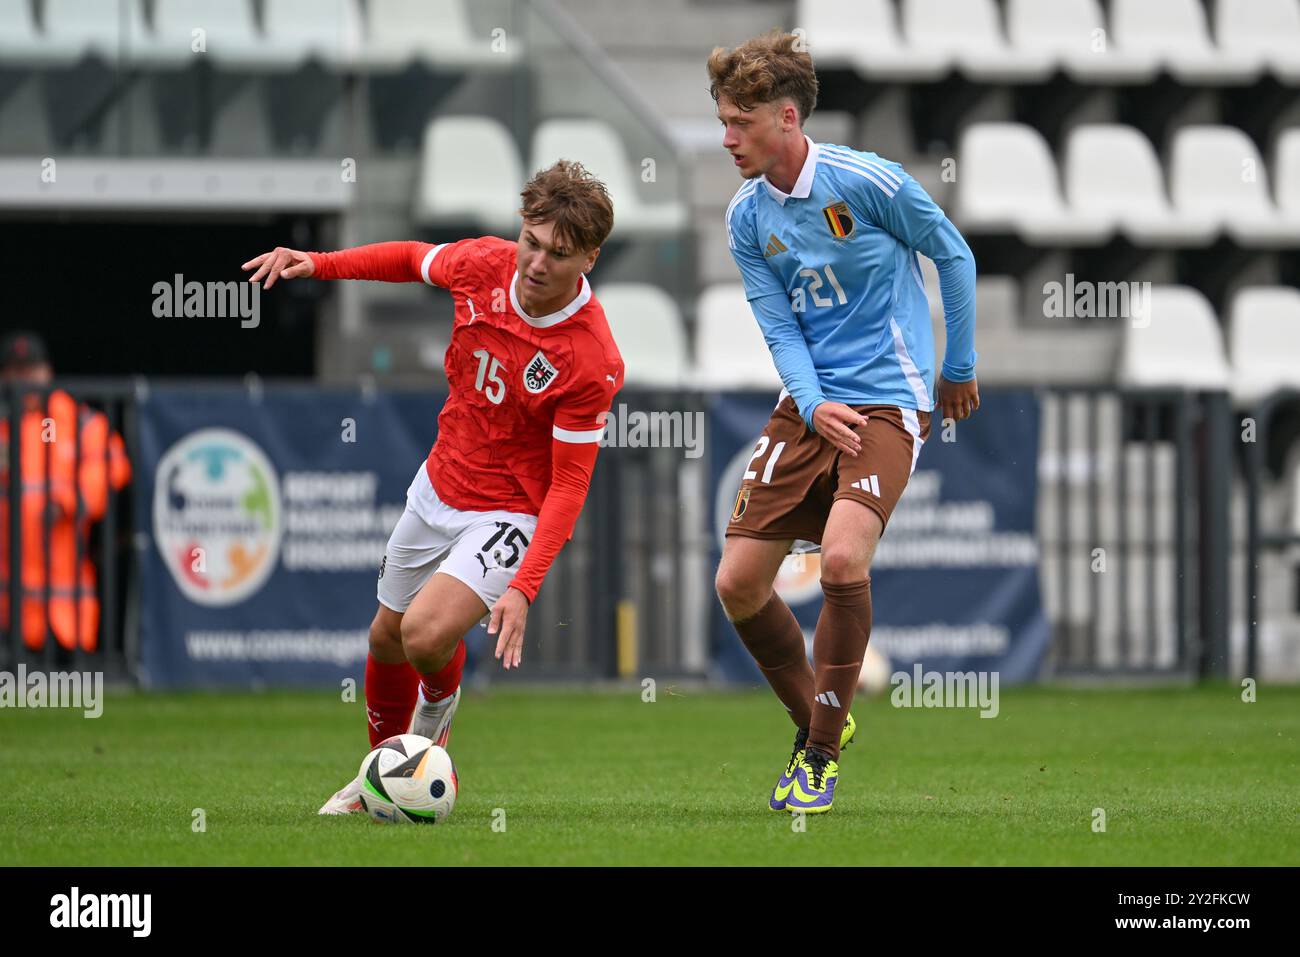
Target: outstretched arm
404, 261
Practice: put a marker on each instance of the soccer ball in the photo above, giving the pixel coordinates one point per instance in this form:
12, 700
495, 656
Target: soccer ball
408, 779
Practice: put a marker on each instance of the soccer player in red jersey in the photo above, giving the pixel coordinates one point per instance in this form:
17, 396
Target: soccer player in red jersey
532, 369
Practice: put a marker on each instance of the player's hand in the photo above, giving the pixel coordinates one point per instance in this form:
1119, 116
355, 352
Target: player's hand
280, 262
508, 617
958, 400
835, 422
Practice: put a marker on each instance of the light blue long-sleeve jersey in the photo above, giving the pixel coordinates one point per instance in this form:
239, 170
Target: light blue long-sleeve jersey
831, 273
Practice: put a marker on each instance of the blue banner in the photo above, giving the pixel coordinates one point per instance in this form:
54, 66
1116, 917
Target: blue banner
954, 584
265, 516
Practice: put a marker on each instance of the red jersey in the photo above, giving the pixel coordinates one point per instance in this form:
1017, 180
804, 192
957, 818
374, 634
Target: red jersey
517, 382
528, 395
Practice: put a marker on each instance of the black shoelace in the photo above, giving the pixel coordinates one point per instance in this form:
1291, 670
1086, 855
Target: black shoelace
817, 761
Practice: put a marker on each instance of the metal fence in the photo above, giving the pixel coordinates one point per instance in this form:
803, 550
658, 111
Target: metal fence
28, 412
1133, 526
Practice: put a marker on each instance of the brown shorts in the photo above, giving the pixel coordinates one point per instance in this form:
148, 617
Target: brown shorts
795, 475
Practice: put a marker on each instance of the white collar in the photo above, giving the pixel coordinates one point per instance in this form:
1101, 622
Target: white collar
803, 185
560, 315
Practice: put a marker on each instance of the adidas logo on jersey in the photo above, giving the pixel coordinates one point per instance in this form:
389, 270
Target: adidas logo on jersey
774, 246
539, 373
829, 697
869, 484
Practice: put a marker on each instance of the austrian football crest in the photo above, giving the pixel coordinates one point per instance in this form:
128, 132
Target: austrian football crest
539, 373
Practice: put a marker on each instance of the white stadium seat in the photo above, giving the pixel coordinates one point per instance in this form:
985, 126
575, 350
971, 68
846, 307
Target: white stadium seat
1179, 344
1074, 33
327, 30
469, 172
1264, 341
1216, 171
21, 44
230, 34
648, 328
1176, 32
76, 28
437, 32
1113, 170
1286, 173
1270, 28
729, 349
968, 33
597, 146
864, 35
1007, 182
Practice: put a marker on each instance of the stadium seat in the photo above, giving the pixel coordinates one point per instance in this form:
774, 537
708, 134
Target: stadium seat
1175, 31
21, 44
1007, 182
77, 28
1216, 172
437, 32
864, 35
596, 145
1264, 341
1179, 346
968, 34
1073, 33
729, 349
325, 30
231, 37
469, 172
1269, 28
648, 329
1286, 173
1112, 170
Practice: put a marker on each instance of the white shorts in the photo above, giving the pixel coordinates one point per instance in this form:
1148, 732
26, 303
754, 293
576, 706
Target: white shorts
482, 549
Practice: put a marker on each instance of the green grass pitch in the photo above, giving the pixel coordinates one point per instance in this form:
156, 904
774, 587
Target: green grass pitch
1186, 777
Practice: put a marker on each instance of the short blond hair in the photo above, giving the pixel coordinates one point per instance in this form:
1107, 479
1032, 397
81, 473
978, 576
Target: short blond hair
764, 70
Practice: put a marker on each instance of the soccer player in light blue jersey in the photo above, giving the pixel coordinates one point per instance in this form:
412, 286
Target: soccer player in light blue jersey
826, 239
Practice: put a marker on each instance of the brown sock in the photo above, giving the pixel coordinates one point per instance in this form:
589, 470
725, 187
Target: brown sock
843, 629
775, 640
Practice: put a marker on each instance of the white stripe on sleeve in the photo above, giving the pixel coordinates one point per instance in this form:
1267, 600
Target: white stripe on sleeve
428, 261
577, 438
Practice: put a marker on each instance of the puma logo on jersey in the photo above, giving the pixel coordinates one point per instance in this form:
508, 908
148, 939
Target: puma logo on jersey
472, 314
539, 373
613, 379
774, 246
869, 484
828, 697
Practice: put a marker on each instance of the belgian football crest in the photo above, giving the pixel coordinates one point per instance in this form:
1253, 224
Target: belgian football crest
839, 219
742, 502
539, 373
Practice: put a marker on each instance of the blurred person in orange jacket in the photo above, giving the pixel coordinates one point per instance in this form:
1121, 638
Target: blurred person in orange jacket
49, 426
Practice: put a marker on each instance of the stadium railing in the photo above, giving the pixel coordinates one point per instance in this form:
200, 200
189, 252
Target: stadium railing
109, 544
1134, 496
1145, 474
1260, 542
